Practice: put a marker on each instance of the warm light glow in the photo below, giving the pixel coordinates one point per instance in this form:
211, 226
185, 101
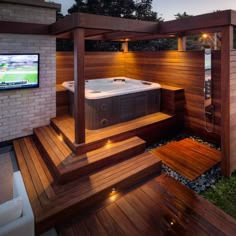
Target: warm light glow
113, 195
126, 39
108, 143
205, 36
60, 137
172, 223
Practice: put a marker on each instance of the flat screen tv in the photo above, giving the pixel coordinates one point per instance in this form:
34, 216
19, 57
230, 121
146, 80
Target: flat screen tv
19, 71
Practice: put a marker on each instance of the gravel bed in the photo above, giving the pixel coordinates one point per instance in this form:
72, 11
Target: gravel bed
203, 182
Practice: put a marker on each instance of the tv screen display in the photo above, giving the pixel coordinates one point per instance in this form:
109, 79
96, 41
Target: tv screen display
19, 71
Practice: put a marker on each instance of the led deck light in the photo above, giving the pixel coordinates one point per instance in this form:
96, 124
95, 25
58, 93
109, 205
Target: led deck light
108, 143
60, 137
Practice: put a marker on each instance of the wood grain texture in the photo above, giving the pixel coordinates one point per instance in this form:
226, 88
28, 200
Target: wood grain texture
79, 91
97, 65
163, 124
53, 203
6, 178
187, 157
227, 77
173, 68
67, 166
161, 206
184, 70
62, 100
232, 135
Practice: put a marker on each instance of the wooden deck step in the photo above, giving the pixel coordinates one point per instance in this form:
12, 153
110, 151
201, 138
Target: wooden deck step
163, 125
53, 203
188, 157
67, 166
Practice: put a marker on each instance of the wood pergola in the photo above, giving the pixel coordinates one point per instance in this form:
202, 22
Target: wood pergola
81, 27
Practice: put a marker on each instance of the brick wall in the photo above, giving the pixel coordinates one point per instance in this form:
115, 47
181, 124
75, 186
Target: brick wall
22, 110
30, 14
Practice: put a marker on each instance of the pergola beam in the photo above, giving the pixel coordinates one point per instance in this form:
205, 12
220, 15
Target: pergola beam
91, 21
201, 22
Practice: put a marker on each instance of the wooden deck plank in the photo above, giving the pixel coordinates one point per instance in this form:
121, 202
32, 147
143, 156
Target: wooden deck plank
64, 148
97, 138
34, 200
37, 166
80, 229
33, 172
187, 157
122, 220
67, 166
99, 178
217, 219
48, 145
93, 187
152, 217
109, 224
169, 208
53, 202
173, 208
6, 178
137, 219
94, 226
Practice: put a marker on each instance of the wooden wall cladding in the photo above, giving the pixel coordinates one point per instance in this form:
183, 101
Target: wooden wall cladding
173, 68
97, 65
232, 108
185, 70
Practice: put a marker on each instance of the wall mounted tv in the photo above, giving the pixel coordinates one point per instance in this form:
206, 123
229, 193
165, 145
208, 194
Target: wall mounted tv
19, 71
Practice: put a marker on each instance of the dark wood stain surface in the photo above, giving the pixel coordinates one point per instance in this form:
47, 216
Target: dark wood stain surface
187, 157
66, 165
232, 162
162, 206
143, 127
173, 68
6, 178
53, 203
185, 70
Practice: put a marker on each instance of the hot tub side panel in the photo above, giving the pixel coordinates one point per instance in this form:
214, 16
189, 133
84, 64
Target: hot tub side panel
113, 110
104, 112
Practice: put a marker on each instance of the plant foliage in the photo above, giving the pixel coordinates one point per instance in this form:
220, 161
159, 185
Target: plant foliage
139, 9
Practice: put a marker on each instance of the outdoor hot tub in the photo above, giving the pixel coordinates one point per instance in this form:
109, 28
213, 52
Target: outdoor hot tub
113, 100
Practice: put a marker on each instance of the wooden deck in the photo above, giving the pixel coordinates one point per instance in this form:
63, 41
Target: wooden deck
162, 206
66, 166
53, 203
163, 123
187, 157
6, 178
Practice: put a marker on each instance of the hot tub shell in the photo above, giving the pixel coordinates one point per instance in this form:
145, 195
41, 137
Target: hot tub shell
108, 107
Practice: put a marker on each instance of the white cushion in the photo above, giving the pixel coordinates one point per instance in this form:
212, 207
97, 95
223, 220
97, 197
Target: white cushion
10, 211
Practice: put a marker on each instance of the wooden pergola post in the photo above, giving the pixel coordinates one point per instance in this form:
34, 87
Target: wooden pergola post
125, 46
181, 43
228, 135
79, 93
